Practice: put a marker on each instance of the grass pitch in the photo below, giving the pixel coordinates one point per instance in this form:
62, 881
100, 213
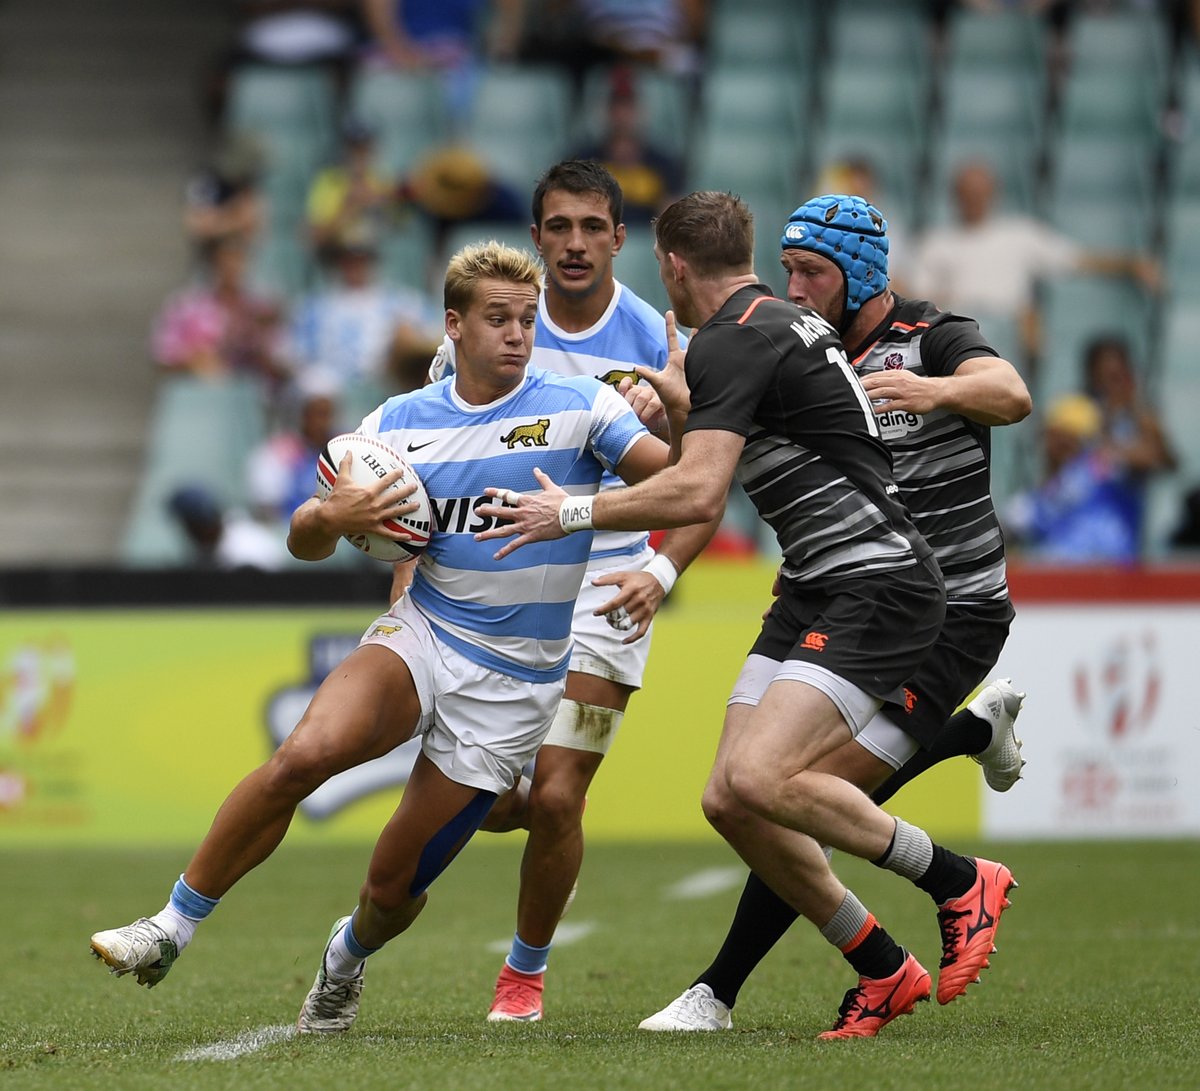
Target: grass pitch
1094, 985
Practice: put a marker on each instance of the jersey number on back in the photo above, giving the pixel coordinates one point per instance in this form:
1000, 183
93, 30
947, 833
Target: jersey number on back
838, 356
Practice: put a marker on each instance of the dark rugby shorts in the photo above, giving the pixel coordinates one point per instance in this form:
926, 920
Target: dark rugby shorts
971, 640
873, 631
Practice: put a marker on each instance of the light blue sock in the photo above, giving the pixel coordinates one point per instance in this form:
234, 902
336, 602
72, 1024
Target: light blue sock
191, 903
526, 959
184, 910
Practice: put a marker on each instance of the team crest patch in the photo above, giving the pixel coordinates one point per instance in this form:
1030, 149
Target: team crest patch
893, 362
614, 377
528, 435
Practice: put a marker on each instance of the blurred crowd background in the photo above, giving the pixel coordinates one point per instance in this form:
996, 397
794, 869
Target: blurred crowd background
226, 225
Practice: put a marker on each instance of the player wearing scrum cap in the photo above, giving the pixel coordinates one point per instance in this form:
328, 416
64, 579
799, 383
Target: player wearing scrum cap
936, 387
767, 393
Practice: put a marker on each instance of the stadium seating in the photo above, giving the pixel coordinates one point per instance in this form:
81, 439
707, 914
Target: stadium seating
520, 121
1005, 41
1075, 310
405, 109
665, 100
200, 432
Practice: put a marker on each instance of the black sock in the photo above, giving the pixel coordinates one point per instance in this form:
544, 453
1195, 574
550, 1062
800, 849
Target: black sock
878, 955
760, 921
949, 875
963, 733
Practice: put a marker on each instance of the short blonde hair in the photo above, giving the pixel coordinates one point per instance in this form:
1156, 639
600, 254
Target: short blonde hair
489, 260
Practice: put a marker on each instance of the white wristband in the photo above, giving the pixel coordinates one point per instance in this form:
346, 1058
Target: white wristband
663, 570
575, 513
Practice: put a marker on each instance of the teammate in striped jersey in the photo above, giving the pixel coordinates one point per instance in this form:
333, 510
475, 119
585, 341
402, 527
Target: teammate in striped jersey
769, 394
936, 387
473, 660
588, 323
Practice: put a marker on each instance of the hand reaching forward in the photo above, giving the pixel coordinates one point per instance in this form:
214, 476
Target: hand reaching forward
533, 517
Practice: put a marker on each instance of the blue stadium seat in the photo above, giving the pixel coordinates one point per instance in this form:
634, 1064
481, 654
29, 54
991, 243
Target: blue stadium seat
200, 433
736, 99
1107, 102
1087, 166
1008, 40
745, 162
406, 110
771, 38
1118, 42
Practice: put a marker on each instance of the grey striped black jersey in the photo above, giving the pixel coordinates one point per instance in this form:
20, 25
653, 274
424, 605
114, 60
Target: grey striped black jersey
940, 459
814, 463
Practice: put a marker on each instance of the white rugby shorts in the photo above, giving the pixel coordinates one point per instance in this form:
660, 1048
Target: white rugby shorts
478, 726
598, 649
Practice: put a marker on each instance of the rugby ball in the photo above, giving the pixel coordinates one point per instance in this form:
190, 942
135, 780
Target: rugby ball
374, 459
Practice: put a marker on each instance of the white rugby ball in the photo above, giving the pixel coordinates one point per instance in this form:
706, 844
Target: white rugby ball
374, 459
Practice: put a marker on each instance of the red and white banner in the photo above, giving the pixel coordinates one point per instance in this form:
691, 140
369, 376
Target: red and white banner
1112, 723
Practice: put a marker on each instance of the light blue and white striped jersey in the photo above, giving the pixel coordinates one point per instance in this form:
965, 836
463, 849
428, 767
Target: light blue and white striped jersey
630, 332
511, 615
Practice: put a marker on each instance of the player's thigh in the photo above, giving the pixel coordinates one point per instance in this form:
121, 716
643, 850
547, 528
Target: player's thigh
365, 707
793, 727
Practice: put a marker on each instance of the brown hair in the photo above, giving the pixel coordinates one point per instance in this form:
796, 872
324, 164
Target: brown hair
712, 231
489, 260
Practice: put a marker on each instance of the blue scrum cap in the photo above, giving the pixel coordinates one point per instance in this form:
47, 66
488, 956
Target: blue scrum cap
849, 232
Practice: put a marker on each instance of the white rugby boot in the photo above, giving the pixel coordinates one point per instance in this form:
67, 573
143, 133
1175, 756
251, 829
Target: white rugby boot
143, 948
998, 703
331, 1006
695, 1009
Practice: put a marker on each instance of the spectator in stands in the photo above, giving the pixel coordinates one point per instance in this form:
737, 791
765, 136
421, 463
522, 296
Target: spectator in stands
219, 327
451, 185
663, 33
649, 178
289, 33
856, 173
988, 264
352, 195
281, 471
1131, 431
219, 538
360, 329
223, 199
1086, 510
451, 36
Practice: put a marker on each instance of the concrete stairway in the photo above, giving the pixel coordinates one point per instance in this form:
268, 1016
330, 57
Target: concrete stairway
99, 128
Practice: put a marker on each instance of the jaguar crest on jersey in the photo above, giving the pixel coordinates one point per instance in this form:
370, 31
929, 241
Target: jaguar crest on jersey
528, 435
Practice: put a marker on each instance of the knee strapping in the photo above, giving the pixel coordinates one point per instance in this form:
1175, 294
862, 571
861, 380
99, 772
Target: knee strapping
444, 845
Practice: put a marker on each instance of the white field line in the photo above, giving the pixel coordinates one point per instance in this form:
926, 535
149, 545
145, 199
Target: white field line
706, 883
251, 1041
564, 934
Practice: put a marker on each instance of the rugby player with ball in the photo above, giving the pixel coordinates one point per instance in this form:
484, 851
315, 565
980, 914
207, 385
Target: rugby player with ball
452, 661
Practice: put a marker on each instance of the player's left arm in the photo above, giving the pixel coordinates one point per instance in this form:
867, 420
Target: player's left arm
985, 389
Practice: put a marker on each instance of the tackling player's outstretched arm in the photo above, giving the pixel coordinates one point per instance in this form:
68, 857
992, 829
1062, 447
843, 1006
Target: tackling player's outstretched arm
693, 490
350, 508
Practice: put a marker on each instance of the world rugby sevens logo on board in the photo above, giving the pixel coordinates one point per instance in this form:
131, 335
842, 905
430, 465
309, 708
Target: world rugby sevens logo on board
1117, 691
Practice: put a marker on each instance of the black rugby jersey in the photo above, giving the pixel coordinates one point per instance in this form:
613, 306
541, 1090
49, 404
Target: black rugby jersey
814, 464
940, 459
